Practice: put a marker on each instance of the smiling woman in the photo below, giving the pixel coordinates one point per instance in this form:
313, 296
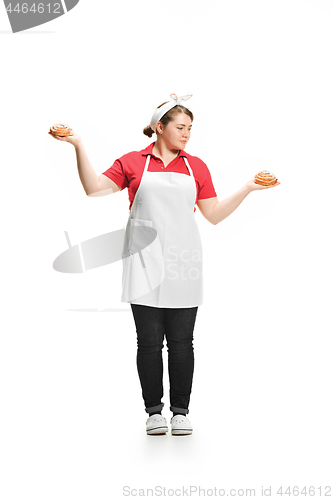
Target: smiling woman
162, 279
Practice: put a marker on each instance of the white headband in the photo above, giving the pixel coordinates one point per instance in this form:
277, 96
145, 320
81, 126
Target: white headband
159, 112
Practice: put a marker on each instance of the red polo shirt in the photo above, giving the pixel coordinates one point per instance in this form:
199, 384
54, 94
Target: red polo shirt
127, 171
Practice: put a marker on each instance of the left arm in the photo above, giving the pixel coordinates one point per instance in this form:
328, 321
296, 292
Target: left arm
215, 211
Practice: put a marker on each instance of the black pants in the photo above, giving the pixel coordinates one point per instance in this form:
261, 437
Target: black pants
152, 323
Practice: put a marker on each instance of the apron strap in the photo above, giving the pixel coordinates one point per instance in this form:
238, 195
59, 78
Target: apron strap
146, 165
188, 166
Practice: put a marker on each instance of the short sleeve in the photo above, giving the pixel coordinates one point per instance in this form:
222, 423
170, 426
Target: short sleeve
116, 174
206, 188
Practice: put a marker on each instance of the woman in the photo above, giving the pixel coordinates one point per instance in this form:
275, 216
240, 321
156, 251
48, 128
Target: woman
162, 254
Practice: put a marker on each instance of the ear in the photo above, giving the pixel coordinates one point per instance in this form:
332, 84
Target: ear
159, 127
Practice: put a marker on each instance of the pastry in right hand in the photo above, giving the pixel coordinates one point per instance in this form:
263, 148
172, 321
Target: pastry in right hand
61, 130
265, 178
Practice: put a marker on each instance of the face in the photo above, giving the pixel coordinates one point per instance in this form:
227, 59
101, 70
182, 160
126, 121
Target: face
176, 133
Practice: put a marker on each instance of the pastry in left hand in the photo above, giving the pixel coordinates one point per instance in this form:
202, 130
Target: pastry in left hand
265, 178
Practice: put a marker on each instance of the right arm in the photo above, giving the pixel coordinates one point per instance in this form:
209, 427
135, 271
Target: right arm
93, 184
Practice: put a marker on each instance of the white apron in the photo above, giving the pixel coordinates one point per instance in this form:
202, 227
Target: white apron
162, 252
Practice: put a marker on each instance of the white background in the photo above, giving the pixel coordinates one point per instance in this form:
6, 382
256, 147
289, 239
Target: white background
72, 417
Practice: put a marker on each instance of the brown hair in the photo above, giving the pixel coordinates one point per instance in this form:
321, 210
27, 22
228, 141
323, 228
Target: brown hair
168, 117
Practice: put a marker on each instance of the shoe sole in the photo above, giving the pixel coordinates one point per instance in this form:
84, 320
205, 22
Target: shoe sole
181, 432
157, 430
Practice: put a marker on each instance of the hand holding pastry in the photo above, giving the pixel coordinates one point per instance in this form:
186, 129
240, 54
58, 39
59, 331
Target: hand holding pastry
63, 132
263, 180
60, 129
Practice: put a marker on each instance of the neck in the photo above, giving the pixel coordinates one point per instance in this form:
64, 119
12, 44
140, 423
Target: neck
163, 152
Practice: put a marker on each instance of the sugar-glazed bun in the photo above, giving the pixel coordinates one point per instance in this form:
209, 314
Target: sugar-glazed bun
265, 178
61, 130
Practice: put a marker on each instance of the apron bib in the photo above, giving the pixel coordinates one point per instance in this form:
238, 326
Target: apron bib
162, 252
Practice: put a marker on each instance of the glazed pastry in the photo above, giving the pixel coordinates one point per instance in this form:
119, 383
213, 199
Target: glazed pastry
61, 130
265, 178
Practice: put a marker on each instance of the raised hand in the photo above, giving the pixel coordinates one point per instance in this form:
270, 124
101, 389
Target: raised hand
254, 186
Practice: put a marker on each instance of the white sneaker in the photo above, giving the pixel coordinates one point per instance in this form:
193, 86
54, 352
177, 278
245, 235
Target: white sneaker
156, 424
180, 425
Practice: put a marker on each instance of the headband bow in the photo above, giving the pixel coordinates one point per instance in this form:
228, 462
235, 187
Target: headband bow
159, 112
181, 98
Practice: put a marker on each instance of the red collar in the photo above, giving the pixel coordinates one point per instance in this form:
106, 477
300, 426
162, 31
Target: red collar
149, 151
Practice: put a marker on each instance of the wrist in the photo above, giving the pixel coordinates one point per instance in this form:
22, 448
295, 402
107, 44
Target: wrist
77, 143
247, 189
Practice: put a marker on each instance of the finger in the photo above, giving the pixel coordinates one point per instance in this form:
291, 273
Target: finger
261, 186
54, 136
